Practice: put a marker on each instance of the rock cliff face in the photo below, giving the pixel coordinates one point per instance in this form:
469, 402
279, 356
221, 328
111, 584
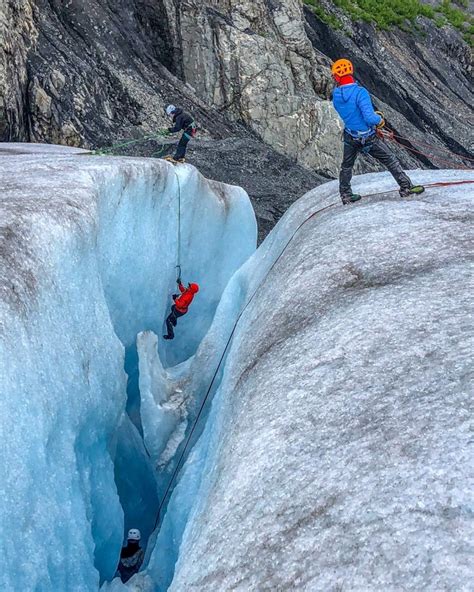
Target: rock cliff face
255, 61
88, 73
422, 81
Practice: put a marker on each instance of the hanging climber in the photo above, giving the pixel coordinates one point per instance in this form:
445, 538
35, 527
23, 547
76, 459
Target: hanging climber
180, 306
182, 121
131, 556
354, 105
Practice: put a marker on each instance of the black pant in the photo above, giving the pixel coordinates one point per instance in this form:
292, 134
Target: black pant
376, 148
172, 320
182, 145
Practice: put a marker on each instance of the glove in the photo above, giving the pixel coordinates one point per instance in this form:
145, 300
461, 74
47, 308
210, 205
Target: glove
382, 123
178, 281
175, 296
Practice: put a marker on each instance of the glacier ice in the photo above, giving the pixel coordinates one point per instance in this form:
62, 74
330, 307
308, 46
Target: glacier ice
88, 260
335, 452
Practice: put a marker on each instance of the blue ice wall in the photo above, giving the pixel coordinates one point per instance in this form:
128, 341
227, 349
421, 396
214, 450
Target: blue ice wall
91, 262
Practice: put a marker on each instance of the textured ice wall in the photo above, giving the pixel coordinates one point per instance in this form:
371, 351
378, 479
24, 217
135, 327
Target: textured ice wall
88, 254
335, 455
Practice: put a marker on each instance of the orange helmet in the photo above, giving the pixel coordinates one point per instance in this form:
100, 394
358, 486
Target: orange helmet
342, 68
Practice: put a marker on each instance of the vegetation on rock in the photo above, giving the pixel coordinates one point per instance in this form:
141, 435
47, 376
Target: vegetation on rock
386, 14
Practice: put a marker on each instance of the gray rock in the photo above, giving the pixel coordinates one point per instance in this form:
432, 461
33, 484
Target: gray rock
88, 73
255, 61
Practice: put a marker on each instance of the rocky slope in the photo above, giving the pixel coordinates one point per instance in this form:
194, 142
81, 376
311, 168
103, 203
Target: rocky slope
255, 74
421, 80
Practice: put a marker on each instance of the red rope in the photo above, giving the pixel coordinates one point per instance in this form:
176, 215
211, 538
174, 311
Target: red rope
448, 183
438, 148
390, 135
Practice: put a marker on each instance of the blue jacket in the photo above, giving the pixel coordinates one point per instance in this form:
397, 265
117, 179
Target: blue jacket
354, 105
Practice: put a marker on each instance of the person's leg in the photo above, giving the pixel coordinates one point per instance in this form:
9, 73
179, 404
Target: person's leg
175, 314
182, 145
379, 151
351, 149
170, 323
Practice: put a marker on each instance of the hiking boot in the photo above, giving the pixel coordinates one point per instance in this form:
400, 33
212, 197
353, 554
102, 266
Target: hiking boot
414, 190
351, 198
168, 336
173, 160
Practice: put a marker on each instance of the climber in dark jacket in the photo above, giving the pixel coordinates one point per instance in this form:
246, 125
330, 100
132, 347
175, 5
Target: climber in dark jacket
182, 121
131, 556
354, 105
180, 306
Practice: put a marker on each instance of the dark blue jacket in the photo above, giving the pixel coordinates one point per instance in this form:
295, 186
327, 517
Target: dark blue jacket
354, 105
181, 120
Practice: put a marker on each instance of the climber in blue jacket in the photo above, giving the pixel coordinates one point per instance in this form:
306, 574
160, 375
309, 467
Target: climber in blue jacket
354, 105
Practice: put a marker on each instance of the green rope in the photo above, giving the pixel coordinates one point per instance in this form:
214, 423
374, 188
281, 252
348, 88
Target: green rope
111, 149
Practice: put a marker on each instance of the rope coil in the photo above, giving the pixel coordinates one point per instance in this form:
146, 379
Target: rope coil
111, 149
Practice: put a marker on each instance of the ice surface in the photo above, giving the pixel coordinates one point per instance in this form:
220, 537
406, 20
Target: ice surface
88, 260
335, 454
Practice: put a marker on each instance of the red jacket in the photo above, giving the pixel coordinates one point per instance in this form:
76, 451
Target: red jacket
187, 294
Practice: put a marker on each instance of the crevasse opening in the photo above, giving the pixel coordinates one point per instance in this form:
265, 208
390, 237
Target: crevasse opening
207, 230
78, 469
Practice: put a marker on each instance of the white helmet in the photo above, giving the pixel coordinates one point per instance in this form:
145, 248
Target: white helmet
134, 534
170, 109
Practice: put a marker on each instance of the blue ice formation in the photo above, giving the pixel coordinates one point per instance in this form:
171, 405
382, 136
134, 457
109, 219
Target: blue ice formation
88, 253
335, 451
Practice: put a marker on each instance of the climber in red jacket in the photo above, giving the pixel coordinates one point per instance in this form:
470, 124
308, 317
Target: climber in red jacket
180, 306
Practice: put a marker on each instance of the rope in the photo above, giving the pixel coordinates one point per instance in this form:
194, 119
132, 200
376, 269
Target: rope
229, 340
449, 183
391, 135
111, 149
178, 262
211, 384
438, 148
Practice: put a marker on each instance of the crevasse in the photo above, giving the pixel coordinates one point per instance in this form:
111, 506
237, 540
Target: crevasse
88, 261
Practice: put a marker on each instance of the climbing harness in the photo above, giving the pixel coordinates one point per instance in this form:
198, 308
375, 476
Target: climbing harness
190, 131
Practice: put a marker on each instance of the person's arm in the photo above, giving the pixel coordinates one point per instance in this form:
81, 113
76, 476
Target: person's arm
181, 288
178, 125
367, 109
